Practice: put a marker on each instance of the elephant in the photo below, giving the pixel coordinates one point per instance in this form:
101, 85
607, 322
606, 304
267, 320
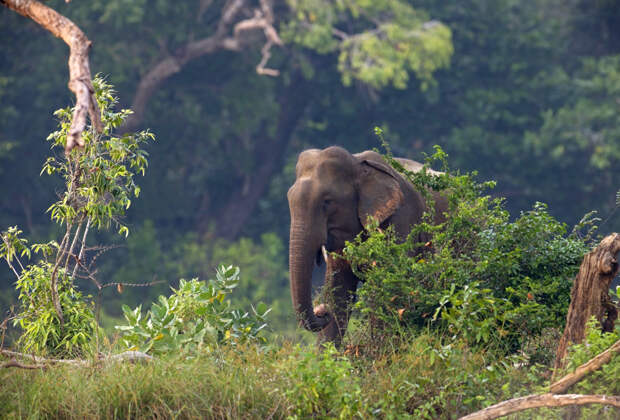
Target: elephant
330, 202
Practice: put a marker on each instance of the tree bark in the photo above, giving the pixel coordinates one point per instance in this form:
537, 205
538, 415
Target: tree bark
590, 295
79, 69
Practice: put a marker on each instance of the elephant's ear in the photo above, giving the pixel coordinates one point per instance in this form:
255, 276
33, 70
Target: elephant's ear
379, 192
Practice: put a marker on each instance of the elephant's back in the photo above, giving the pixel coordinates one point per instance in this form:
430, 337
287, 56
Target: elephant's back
413, 166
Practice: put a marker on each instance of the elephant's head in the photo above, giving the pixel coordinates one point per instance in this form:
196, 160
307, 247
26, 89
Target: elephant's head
333, 195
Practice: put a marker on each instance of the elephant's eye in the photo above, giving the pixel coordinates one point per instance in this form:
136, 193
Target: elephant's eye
326, 203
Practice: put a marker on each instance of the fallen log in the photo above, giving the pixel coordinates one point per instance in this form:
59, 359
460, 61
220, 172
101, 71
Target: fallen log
42, 362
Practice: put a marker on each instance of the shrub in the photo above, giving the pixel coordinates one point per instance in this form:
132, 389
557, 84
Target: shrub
480, 276
323, 385
42, 330
263, 264
603, 381
197, 315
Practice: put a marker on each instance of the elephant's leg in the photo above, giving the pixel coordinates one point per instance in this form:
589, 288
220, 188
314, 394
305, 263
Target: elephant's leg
339, 291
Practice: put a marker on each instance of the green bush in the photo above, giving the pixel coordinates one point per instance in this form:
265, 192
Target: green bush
323, 385
43, 333
197, 315
477, 275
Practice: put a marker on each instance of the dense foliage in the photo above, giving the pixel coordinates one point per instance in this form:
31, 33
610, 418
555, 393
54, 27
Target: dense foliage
426, 380
477, 275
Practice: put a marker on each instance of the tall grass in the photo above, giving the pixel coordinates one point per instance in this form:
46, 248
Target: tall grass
422, 378
230, 385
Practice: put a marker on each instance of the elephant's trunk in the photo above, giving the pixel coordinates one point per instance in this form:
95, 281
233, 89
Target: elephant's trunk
301, 259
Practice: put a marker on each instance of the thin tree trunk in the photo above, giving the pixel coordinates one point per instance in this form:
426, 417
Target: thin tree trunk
590, 295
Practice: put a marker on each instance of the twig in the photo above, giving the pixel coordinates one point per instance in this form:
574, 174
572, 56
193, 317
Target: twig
89, 274
266, 54
12, 268
132, 284
340, 34
81, 254
100, 250
54, 277
6, 243
77, 233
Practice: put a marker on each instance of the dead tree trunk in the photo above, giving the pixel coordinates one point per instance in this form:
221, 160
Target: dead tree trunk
590, 295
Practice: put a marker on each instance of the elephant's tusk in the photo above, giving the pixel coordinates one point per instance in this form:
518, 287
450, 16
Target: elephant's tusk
324, 251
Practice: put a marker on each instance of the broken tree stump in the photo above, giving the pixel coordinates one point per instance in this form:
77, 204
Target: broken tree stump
590, 295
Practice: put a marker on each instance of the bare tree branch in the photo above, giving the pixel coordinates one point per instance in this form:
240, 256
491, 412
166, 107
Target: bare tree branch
221, 40
38, 359
536, 401
260, 68
8, 261
54, 277
75, 238
79, 69
81, 254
